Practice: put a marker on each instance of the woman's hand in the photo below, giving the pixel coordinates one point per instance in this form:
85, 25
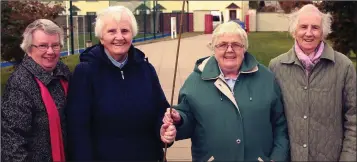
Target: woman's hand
173, 118
168, 133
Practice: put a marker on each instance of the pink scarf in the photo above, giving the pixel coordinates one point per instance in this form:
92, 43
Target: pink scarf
54, 121
309, 61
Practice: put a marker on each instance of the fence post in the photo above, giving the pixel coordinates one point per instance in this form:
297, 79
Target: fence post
154, 17
188, 17
178, 20
162, 28
144, 20
90, 26
144, 25
188, 21
71, 25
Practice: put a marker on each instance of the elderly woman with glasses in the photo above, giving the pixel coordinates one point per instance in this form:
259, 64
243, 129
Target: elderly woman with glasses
32, 117
319, 90
115, 101
230, 106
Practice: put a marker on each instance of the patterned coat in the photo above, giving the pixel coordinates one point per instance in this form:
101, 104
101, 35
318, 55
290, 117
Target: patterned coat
320, 108
24, 123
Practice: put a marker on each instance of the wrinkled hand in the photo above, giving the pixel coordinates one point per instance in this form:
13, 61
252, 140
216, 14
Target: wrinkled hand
168, 133
173, 118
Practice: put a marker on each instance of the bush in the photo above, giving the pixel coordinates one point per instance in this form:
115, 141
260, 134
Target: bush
344, 24
15, 16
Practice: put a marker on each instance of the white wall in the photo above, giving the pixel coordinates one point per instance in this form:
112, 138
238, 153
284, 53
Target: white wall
199, 20
272, 22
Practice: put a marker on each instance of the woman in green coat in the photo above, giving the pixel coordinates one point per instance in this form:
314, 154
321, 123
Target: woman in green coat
230, 106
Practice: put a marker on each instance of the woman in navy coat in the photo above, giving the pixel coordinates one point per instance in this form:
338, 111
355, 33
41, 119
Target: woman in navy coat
115, 101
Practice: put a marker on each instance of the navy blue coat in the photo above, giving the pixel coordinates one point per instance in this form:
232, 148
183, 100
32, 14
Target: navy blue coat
113, 117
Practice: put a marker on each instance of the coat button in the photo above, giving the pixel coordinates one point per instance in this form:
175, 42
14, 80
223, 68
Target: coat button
238, 141
305, 87
305, 117
304, 145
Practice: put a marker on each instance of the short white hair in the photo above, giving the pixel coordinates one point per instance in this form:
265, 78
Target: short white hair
114, 12
326, 20
230, 28
45, 25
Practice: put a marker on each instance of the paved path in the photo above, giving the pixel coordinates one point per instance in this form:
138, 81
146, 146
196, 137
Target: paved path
162, 56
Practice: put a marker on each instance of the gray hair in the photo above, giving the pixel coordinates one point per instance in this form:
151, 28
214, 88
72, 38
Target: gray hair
114, 12
326, 20
229, 28
45, 25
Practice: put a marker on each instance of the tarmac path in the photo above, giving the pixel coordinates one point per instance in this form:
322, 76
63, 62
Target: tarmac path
162, 56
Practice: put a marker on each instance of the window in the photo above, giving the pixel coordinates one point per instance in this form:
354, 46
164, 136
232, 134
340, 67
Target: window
215, 18
91, 13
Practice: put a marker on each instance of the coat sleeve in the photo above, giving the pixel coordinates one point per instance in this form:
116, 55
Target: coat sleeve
281, 147
78, 112
271, 65
16, 119
349, 99
186, 127
160, 102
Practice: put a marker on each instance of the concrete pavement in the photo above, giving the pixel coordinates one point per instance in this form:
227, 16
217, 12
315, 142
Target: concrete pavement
162, 56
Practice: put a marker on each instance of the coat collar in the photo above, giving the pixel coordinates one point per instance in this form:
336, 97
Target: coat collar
210, 69
61, 71
290, 57
97, 54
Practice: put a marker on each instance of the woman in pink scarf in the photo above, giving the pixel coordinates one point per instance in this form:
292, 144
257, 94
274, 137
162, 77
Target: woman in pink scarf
32, 116
319, 91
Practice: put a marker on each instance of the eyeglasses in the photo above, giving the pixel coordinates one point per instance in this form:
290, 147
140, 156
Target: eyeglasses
44, 47
234, 46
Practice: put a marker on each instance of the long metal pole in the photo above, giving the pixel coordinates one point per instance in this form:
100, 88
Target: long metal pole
90, 27
144, 19
176, 63
71, 26
188, 18
67, 34
154, 18
84, 32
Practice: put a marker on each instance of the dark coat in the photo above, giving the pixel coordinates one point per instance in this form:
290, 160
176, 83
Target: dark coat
239, 125
115, 117
25, 132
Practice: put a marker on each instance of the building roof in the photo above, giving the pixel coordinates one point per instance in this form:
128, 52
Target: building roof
233, 6
159, 7
74, 8
142, 7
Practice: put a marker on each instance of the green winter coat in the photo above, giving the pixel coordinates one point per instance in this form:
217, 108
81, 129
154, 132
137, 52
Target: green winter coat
242, 125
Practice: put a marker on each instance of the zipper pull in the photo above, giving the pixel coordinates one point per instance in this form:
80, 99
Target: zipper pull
122, 74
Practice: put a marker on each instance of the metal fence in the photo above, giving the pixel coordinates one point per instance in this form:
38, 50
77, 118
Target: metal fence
152, 22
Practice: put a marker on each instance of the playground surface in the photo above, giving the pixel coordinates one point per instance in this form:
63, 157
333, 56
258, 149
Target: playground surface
162, 56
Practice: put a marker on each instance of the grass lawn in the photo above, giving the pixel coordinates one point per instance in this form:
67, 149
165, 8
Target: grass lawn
267, 45
354, 58
71, 61
263, 45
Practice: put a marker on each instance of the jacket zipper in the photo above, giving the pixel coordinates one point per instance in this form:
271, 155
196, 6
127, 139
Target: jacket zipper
122, 74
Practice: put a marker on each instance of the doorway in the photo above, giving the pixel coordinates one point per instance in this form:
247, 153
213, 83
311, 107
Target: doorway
232, 14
